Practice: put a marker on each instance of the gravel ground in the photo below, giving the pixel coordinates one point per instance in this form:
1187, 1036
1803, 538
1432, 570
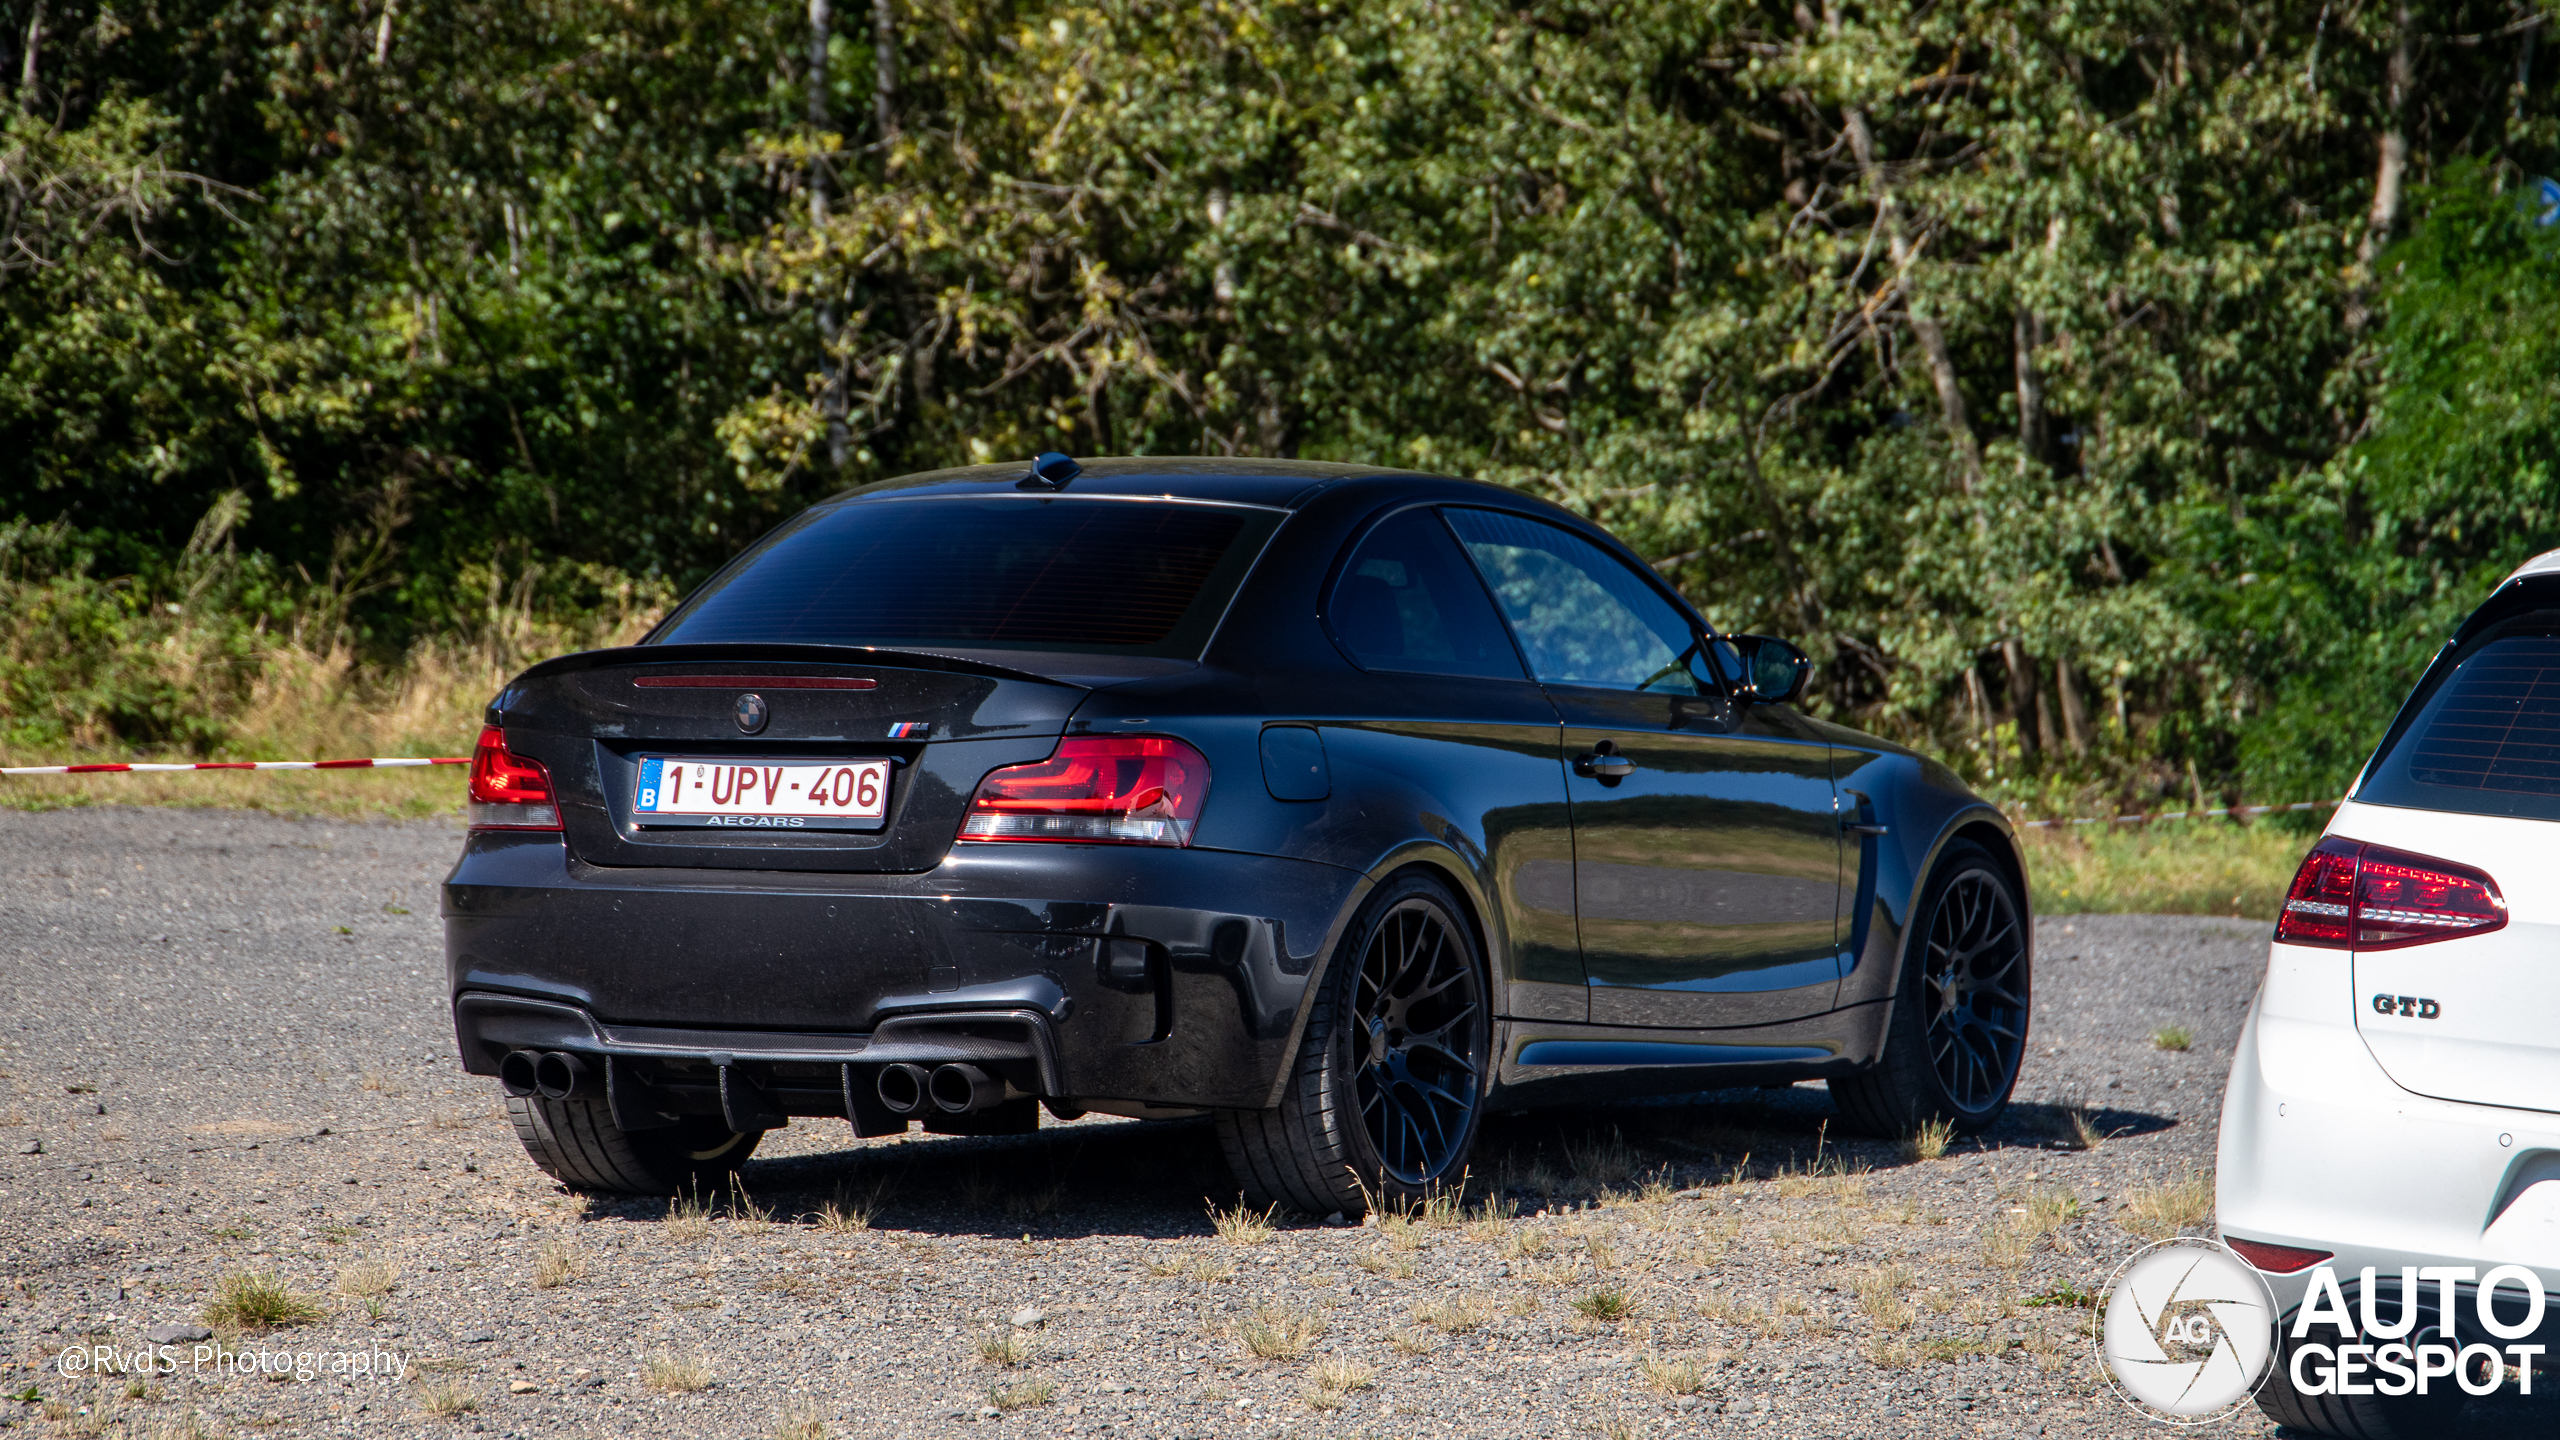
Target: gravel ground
227, 1054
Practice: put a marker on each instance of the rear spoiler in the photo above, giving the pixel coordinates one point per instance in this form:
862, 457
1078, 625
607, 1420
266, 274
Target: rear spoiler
722, 654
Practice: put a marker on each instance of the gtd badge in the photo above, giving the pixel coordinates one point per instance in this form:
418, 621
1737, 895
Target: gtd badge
752, 713
2409, 1005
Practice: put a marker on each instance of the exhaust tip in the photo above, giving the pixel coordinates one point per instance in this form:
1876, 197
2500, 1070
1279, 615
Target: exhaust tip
559, 1074
959, 1089
901, 1088
516, 1073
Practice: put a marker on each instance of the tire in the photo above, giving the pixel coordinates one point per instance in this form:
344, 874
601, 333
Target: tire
1958, 1032
1387, 1090
2359, 1417
576, 1143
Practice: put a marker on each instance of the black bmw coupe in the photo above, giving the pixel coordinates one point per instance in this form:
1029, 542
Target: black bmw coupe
1342, 804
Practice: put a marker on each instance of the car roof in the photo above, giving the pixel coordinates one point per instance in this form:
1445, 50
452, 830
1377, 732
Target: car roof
1284, 484
2546, 563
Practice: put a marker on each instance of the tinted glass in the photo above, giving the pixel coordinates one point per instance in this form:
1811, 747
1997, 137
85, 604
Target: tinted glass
1029, 573
1407, 601
2488, 741
1582, 617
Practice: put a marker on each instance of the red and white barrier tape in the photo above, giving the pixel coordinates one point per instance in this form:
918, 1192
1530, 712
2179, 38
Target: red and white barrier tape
2185, 814
381, 764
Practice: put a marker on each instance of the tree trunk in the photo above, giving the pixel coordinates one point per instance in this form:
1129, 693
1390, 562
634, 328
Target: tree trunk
2024, 701
1924, 326
831, 394
884, 68
2389, 171
2075, 712
2034, 441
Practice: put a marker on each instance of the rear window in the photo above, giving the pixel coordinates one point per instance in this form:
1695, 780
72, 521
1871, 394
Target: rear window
1017, 573
2488, 741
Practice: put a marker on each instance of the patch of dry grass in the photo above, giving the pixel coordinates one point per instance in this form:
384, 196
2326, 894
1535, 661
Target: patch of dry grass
367, 1279
688, 1218
1879, 1294
2199, 867
1608, 1304
1455, 1314
848, 1213
556, 1266
1279, 1332
1335, 1379
447, 1399
1240, 1224
1674, 1375
253, 1303
1022, 1396
675, 1374
1930, 1141
1007, 1347
2159, 1211
802, 1421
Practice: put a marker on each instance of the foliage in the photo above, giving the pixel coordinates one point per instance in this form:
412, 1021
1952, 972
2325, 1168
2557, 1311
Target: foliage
2042, 370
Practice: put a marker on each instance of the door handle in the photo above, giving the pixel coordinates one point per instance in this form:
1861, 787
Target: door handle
1607, 767
1861, 827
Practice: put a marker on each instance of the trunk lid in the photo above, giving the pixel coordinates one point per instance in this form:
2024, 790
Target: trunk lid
2470, 1018
939, 722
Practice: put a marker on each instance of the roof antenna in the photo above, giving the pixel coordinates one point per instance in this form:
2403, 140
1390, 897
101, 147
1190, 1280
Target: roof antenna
1051, 470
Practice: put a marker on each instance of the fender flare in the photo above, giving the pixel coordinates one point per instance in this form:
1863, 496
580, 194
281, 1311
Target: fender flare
1448, 866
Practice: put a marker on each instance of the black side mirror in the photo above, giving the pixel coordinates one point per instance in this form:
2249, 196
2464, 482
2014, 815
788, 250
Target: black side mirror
1773, 671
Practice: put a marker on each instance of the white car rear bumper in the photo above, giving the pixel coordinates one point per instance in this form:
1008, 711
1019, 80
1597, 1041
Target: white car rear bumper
2320, 1150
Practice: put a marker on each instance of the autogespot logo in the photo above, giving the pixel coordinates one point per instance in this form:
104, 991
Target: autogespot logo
2187, 1330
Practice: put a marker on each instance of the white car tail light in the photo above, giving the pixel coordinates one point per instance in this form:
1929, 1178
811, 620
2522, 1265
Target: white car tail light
2349, 895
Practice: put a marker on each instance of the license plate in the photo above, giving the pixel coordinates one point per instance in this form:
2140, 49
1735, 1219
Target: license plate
791, 795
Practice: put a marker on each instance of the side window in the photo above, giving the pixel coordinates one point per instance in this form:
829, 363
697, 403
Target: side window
1406, 601
1582, 616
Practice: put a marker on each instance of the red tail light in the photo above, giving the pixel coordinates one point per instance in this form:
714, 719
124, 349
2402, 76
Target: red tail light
1111, 789
2276, 1259
509, 792
2349, 895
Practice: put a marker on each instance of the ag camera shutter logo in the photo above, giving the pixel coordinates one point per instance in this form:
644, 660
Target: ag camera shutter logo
2186, 1335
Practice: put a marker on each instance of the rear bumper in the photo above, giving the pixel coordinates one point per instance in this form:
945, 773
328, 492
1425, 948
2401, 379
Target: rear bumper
1173, 977
2319, 1150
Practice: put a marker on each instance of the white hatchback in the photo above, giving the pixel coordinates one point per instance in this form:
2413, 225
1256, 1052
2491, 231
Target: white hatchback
2390, 1147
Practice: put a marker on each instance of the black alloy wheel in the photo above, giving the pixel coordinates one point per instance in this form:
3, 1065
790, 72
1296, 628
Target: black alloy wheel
1957, 1033
1974, 990
1419, 1018
1387, 1091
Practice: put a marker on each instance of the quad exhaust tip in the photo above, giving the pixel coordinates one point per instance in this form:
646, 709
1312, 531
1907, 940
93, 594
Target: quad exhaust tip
902, 1088
516, 1073
959, 1089
551, 1074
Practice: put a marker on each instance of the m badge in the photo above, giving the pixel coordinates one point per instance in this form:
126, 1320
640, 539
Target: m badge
2409, 1005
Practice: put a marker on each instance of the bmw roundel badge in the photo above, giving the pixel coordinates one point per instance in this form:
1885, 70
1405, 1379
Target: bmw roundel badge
752, 713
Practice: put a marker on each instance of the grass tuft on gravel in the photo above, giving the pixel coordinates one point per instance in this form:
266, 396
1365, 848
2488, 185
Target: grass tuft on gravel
1018, 1397
803, 1421
1279, 1332
1608, 1304
556, 1266
447, 1400
2176, 1038
1240, 1224
1335, 1379
1004, 1347
1678, 1375
2159, 1211
252, 1303
675, 1374
367, 1279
